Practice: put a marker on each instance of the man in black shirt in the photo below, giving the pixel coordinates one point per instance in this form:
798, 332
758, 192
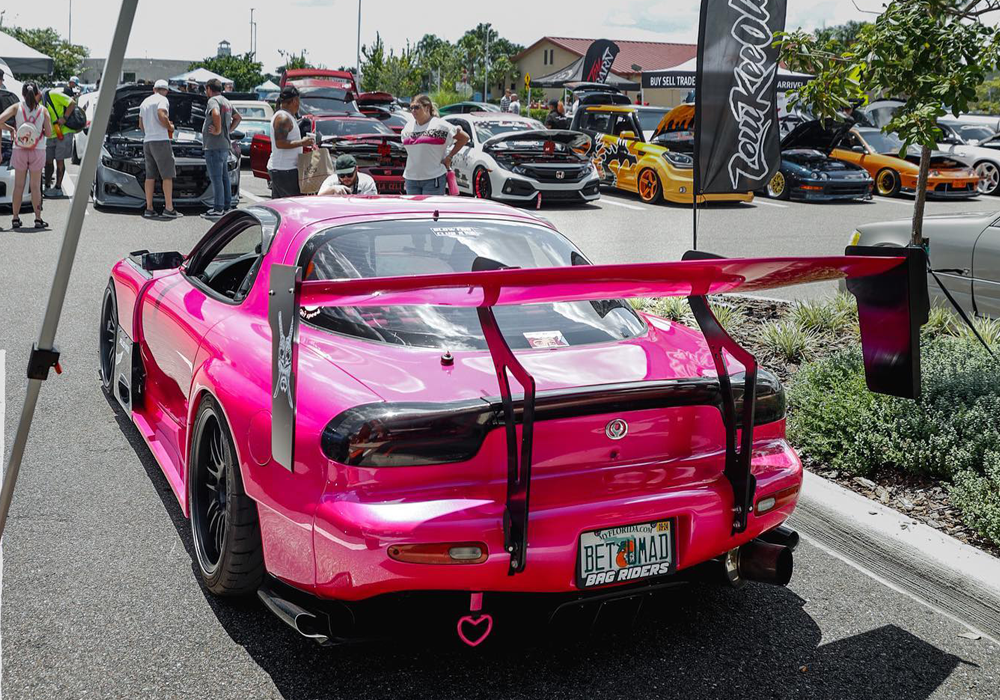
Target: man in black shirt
556, 119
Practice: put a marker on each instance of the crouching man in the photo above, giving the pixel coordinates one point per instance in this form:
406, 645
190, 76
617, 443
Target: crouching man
347, 180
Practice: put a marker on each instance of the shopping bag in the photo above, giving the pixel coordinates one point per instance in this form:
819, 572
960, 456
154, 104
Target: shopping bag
314, 167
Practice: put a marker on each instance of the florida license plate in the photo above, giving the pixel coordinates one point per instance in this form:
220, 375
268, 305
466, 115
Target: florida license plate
626, 553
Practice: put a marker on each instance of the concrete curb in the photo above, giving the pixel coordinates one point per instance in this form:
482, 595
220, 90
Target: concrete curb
952, 577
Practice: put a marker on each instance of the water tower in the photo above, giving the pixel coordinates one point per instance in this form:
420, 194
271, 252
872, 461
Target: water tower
225, 49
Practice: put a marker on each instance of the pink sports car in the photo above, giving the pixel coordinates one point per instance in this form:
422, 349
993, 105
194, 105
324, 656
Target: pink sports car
326, 384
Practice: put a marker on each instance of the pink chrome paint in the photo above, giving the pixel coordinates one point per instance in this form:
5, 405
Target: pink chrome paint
326, 526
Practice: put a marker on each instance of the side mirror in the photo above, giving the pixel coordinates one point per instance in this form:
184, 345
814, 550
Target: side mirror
236, 135
858, 149
627, 135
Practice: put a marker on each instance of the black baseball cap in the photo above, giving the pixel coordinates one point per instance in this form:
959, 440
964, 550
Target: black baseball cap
289, 92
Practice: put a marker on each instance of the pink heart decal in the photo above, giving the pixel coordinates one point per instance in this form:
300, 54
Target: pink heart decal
475, 623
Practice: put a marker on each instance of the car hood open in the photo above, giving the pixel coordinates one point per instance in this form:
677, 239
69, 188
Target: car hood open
816, 135
819, 161
574, 140
187, 110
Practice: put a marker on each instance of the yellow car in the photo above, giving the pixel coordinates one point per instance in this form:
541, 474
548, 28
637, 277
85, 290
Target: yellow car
661, 168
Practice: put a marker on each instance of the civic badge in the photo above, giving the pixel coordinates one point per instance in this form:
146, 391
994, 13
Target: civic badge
560, 174
616, 429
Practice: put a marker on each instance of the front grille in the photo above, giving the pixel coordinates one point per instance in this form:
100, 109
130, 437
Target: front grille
848, 188
550, 173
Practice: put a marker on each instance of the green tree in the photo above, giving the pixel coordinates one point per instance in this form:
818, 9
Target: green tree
244, 71
373, 65
987, 97
933, 54
293, 61
846, 33
67, 58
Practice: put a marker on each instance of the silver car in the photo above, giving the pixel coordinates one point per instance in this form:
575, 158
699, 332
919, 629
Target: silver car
964, 252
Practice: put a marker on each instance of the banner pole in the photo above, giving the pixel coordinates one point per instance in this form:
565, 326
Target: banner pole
44, 354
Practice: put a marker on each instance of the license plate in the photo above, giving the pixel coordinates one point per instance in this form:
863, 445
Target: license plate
626, 553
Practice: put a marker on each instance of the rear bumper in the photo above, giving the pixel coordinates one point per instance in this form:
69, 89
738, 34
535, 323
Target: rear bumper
352, 533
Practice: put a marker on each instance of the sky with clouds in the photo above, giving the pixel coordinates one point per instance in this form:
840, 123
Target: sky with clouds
327, 29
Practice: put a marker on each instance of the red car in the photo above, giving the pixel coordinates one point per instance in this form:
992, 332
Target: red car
383, 106
319, 78
377, 149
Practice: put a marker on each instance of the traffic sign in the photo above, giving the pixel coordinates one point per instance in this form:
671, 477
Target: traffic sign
527, 81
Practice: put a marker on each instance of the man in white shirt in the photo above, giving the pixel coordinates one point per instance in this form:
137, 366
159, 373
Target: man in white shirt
347, 180
157, 131
515, 104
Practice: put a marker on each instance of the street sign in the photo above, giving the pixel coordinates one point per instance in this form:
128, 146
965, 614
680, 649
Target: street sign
527, 81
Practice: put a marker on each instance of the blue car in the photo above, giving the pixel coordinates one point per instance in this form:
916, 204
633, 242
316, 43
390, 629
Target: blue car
809, 174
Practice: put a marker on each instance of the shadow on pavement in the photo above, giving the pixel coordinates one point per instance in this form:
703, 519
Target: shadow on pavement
695, 641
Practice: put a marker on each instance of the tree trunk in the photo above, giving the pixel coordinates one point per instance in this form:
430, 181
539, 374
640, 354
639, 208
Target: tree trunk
917, 237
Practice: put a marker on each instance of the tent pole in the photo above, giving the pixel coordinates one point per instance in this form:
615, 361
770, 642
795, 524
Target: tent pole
43, 354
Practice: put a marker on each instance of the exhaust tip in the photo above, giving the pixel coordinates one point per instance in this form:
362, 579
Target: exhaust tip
766, 562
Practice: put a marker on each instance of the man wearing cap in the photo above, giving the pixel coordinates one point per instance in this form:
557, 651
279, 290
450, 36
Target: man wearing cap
286, 145
347, 180
73, 87
157, 131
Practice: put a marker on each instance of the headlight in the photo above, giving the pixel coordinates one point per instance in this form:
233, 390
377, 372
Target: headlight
817, 175
679, 160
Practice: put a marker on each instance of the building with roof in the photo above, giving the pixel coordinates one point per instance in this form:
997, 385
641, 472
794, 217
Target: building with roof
551, 54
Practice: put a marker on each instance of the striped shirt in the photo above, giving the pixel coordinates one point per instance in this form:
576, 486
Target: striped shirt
426, 146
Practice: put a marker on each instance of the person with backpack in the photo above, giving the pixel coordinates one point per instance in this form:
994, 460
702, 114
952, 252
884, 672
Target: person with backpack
59, 147
220, 120
31, 125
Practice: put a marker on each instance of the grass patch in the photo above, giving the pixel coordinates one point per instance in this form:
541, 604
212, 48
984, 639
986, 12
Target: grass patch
823, 317
786, 341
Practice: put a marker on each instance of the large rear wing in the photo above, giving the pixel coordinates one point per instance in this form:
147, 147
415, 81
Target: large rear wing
890, 285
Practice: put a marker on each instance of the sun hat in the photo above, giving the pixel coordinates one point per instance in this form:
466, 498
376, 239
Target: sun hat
161, 84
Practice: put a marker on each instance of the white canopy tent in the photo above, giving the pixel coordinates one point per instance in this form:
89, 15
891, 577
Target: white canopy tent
10, 83
200, 76
23, 59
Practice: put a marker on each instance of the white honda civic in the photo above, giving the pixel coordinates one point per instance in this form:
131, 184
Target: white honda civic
978, 146
516, 159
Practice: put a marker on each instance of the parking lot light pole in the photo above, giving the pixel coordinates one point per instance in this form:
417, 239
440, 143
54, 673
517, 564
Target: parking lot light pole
44, 354
357, 58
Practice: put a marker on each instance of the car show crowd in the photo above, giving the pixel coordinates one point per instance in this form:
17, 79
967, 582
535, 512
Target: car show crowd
170, 145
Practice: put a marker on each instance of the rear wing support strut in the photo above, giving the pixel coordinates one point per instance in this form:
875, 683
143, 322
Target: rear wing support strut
737, 469
515, 514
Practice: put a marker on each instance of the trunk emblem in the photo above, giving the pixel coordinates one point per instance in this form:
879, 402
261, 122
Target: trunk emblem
616, 429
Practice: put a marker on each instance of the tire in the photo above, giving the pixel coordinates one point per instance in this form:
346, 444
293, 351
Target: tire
224, 522
649, 187
777, 186
989, 177
107, 337
482, 186
887, 183
75, 158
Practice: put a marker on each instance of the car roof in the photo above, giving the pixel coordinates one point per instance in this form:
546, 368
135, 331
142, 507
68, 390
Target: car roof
610, 108
310, 209
249, 102
491, 117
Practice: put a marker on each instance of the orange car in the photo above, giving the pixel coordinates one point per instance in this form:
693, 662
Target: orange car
878, 153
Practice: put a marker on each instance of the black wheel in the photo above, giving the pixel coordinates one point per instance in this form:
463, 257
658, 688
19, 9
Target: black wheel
777, 186
224, 520
108, 336
75, 158
887, 182
481, 185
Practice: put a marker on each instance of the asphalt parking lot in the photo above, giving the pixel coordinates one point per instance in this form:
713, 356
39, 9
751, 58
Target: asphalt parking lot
101, 599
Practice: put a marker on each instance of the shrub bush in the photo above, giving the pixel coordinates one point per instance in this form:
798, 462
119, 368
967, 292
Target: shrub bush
728, 315
538, 114
674, 309
822, 317
952, 432
786, 340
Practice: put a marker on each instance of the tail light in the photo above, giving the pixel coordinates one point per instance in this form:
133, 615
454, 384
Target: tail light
408, 434
440, 553
420, 434
775, 500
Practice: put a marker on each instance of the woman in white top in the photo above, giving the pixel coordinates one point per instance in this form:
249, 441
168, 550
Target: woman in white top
286, 145
31, 127
427, 139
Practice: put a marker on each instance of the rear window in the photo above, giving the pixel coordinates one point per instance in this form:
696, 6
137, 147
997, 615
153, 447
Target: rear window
393, 248
252, 112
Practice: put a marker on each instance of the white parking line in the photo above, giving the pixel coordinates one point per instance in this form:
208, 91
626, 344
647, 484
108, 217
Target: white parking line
69, 187
897, 202
757, 200
605, 200
251, 196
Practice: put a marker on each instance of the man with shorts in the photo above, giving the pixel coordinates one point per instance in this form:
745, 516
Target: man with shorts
157, 131
59, 146
286, 145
